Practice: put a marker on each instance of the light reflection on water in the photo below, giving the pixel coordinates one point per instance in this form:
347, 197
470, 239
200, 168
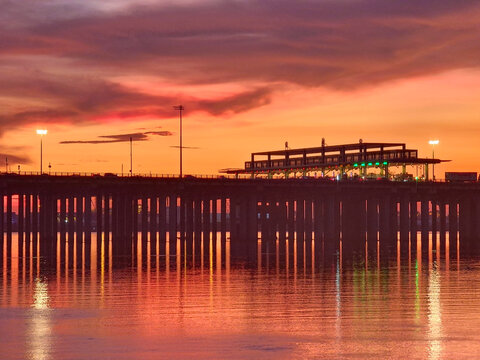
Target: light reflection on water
297, 306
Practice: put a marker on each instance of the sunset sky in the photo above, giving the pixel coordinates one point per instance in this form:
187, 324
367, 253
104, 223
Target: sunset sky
251, 75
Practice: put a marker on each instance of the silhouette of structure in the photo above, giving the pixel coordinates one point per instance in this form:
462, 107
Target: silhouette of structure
356, 158
51, 211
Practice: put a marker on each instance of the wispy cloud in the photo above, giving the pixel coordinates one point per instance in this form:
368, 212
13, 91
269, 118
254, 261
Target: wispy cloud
105, 139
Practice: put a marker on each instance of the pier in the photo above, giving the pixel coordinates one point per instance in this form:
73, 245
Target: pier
350, 215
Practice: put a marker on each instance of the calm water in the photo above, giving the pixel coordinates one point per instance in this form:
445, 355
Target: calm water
398, 307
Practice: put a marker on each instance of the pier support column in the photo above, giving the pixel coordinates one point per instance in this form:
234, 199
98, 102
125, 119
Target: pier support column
465, 220
172, 224
425, 224
9, 225
453, 226
353, 223
153, 224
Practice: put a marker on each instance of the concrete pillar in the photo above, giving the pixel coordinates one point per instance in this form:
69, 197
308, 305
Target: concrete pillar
144, 225
153, 224
2, 220
442, 221
353, 222
465, 224
404, 219
34, 222
162, 220
425, 224
453, 225
80, 214
106, 216
88, 219
9, 225
99, 213
28, 223
71, 218
20, 224
206, 219
223, 219
172, 223
198, 223
189, 225
413, 223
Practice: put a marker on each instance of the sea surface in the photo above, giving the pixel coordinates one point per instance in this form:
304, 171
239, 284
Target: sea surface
408, 305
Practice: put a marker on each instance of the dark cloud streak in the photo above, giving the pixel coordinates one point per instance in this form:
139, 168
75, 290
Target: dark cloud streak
117, 138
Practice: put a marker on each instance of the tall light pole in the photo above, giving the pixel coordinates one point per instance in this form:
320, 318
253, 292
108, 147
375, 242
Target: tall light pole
180, 109
433, 143
41, 133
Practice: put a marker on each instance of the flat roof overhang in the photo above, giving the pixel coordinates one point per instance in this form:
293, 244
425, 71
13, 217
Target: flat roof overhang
319, 149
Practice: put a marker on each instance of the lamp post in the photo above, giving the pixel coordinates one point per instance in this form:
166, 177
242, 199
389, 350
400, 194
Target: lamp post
180, 109
41, 133
433, 143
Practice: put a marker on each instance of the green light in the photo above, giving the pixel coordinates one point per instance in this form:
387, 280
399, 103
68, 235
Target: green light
385, 163
369, 164
363, 164
355, 165
377, 163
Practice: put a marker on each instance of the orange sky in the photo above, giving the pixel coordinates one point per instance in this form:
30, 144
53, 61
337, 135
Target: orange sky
340, 70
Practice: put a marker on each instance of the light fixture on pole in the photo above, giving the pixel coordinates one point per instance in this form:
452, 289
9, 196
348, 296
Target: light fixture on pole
180, 109
41, 132
433, 143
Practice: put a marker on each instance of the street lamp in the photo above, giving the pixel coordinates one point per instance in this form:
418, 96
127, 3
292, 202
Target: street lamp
180, 109
41, 133
433, 143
